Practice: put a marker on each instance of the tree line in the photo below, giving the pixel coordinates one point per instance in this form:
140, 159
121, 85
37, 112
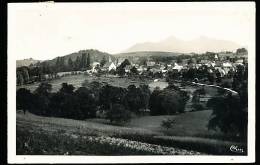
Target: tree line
38, 72
94, 98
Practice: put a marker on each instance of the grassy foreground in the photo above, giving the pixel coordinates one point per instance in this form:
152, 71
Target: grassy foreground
56, 136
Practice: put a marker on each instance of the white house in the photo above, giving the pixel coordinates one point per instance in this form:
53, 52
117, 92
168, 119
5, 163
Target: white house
227, 65
150, 63
177, 67
94, 64
109, 66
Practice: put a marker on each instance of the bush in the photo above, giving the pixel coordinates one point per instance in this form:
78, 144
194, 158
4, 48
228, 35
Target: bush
118, 114
167, 123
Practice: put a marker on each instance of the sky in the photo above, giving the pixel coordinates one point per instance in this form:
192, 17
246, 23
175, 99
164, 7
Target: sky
47, 30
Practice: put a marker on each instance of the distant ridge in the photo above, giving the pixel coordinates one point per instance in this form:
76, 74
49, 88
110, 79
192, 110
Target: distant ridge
201, 44
146, 54
26, 62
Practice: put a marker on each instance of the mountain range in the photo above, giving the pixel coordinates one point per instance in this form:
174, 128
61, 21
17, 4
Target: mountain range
201, 44
171, 46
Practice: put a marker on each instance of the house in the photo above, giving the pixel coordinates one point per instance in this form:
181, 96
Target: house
94, 64
141, 68
227, 65
128, 68
109, 66
177, 67
150, 63
239, 61
94, 67
119, 61
204, 61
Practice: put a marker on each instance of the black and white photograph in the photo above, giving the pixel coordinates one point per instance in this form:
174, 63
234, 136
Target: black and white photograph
131, 82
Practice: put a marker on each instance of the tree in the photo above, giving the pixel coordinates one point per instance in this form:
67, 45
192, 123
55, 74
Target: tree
24, 71
134, 98
145, 95
167, 102
111, 95
143, 61
134, 70
43, 89
42, 96
77, 63
179, 60
87, 102
154, 102
218, 76
229, 115
241, 50
70, 64
103, 61
25, 75
24, 99
124, 63
83, 63
19, 78
118, 114
239, 76
67, 88
64, 105
88, 61
120, 71
60, 64
190, 61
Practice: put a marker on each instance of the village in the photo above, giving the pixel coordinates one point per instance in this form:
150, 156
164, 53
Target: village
223, 63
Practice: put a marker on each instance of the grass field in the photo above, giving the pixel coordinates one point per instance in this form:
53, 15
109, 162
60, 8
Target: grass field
77, 80
142, 136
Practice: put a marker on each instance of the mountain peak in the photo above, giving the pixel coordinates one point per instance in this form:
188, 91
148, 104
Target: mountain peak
200, 44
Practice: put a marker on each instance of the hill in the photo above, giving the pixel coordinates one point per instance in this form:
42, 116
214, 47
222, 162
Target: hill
95, 56
26, 62
199, 45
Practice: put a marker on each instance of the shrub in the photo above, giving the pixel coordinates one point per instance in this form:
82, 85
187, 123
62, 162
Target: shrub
118, 114
167, 123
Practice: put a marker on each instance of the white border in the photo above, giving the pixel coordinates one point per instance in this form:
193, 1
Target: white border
13, 158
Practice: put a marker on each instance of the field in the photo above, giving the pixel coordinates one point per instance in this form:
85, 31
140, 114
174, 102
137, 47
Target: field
142, 136
77, 80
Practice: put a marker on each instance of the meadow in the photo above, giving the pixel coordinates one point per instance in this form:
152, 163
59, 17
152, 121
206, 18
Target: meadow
38, 135
77, 80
